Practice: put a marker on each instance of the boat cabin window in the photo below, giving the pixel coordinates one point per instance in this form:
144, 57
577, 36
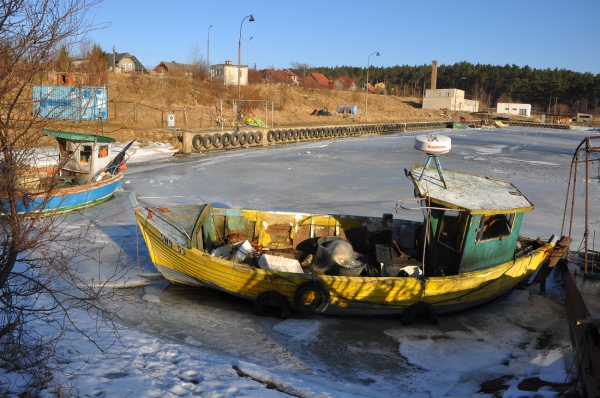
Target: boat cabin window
495, 226
85, 154
103, 151
452, 229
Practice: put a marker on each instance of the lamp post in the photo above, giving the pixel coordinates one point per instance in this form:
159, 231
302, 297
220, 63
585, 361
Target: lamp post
142, 66
247, 45
208, 52
367, 85
240, 51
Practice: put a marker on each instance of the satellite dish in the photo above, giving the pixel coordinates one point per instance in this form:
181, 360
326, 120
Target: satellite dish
433, 144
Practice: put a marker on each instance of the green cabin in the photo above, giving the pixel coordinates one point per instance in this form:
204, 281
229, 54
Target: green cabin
474, 220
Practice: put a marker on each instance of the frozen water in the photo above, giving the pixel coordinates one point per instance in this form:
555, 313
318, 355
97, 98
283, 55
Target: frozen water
183, 341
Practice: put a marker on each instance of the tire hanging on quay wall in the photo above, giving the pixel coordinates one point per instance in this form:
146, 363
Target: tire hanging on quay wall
243, 138
235, 139
271, 136
207, 141
250, 138
258, 137
217, 140
316, 306
266, 301
197, 142
226, 139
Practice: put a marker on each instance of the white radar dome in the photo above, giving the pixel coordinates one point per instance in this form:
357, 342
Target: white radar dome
433, 144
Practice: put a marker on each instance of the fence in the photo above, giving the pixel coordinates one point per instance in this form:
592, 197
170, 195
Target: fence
227, 113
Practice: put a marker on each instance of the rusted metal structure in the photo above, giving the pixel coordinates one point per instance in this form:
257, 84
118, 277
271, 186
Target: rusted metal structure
582, 289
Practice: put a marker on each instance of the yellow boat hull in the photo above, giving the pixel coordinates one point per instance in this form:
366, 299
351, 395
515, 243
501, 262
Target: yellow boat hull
348, 295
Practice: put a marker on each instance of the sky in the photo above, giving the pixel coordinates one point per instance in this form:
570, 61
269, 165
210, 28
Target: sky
539, 33
178, 342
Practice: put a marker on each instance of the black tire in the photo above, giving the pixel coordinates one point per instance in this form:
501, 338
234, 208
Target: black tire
258, 137
243, 138
298, 134
226, 139
197, 142
217, 140
207, 141
278, 135
266, 302
250, 138
271, 136
316, 306
235, 139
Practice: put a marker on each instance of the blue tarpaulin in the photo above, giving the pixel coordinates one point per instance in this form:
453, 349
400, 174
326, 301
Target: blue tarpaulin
70, 103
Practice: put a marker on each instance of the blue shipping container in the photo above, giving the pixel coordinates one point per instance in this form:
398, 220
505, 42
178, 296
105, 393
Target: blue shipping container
70, 103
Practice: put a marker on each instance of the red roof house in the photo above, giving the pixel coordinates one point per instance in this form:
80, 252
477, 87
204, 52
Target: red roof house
317, 80
280, 76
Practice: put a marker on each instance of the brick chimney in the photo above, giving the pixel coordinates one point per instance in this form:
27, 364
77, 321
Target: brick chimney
433, 74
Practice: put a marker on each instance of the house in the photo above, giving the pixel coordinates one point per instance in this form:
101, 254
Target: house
227, 74
512, 108
380, 88
165, 68
584, 118
124, 63
68, 79
371, 88
344, 84
281, 76
317, 80
452, 99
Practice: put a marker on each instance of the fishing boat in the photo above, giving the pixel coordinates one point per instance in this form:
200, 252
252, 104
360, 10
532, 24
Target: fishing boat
86, 175
465, 253
581, 270
461, 124
457, 125
498, 123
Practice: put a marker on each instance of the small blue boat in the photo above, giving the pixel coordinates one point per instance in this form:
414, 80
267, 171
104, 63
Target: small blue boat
86, 174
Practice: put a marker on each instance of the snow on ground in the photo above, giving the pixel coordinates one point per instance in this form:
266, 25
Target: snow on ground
48, 156
524, 336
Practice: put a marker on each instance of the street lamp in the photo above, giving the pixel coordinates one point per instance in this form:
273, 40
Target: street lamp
142, 66
367, 86
247, 43
240, 51
208, 52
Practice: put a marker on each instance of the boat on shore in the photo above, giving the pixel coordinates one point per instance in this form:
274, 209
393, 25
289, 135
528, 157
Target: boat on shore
466, 252
86, 174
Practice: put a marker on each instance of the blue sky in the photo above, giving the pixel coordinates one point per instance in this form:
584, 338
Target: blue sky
539, 33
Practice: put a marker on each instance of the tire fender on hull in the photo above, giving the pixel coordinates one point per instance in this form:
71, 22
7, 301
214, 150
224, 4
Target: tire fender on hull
267, 301
318, 304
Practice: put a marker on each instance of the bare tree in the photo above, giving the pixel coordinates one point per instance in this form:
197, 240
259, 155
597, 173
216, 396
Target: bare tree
197, 59
38, 255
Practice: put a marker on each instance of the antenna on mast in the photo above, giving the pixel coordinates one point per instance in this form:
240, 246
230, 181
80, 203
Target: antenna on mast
433, 145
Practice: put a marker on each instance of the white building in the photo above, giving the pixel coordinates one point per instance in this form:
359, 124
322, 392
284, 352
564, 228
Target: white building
227, 74
514, 109
452, 99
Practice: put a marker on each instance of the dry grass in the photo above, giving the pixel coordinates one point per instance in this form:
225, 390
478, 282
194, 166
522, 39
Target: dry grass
139, 104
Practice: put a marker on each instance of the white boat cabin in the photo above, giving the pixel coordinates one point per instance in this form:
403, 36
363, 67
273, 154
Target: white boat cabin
82, 155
